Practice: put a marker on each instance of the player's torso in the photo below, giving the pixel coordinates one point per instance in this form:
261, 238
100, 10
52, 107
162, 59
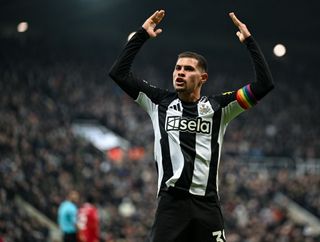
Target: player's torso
190, 124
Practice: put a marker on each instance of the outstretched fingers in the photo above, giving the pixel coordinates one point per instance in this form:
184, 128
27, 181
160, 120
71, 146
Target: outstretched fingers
243, 31
157, 16
151, 23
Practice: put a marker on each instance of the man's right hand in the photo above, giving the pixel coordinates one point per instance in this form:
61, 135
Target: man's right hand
151, 23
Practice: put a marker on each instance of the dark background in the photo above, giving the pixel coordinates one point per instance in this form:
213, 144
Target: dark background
97, 29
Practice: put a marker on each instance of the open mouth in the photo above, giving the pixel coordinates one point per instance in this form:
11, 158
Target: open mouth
180, 81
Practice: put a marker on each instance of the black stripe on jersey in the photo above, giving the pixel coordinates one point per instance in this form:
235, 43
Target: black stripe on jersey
165, 151
178, 106
212, 186
188, 147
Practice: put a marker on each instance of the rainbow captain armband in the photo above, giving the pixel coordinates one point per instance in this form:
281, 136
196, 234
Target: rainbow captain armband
245, 97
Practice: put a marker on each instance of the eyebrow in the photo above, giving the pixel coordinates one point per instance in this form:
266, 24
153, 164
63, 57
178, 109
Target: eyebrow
186, 67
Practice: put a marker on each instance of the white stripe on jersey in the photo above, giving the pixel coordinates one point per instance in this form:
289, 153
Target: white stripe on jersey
152, 110
203, 153
176, 155
157, 146
229, 112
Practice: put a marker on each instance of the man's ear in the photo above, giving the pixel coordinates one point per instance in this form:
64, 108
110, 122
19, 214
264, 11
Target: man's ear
204, 77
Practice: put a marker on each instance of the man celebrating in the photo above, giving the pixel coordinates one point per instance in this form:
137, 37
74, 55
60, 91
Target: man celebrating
189, 130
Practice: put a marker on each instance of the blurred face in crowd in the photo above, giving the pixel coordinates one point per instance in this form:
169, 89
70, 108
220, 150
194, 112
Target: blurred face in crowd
74, 196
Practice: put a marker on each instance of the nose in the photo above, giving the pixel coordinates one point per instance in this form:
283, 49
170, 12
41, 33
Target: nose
181, 73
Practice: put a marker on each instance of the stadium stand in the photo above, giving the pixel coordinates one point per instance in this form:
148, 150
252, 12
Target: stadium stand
41, 158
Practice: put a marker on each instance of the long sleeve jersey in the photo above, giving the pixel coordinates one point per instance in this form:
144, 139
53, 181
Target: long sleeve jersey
189, 135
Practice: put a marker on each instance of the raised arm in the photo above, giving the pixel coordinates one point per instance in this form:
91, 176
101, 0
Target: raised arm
250, 94
120, 71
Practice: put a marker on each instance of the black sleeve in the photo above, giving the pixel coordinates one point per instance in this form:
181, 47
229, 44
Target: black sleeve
121, 72
225, 98
263, 83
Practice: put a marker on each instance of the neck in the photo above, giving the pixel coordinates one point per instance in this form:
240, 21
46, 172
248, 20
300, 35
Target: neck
189, 97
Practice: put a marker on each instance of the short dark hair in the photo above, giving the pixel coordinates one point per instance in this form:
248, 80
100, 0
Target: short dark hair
202, 62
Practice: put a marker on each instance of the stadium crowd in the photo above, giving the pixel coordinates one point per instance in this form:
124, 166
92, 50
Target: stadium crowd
41, 159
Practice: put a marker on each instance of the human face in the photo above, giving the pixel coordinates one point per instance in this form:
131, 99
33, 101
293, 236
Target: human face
188, 77
74, 196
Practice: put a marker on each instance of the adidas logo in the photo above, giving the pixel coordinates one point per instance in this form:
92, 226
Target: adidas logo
176, 107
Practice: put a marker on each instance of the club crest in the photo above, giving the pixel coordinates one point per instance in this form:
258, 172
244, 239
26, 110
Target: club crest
204, 109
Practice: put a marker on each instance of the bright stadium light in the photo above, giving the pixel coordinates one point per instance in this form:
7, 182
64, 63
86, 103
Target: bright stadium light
22, 27
279, 50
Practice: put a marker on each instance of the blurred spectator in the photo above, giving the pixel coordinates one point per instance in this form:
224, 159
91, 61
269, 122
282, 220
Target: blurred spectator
41, 159
17, 225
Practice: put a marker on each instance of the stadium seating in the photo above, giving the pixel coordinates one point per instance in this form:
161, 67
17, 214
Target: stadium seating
41, 159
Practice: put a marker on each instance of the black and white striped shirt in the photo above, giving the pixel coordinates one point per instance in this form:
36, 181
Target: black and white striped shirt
188, 136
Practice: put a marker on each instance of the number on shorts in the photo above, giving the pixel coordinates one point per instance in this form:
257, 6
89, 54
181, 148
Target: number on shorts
220, 235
